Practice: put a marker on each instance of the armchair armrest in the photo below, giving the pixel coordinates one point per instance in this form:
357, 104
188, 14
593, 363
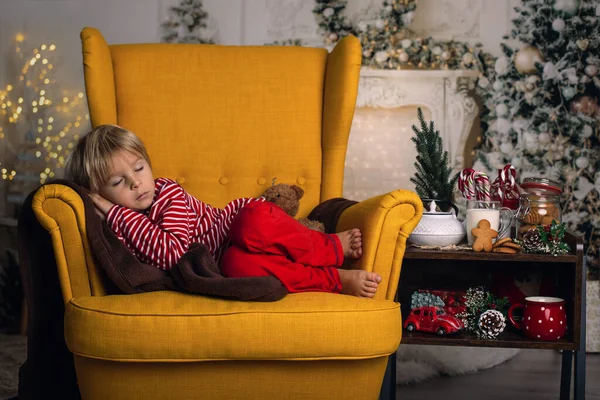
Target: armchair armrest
61, 212
386, 221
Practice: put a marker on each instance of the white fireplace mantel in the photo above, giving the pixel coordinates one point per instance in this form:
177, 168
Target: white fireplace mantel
444, 92
380, 154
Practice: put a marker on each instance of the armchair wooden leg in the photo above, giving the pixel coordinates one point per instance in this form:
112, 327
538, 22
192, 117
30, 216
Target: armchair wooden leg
388, 387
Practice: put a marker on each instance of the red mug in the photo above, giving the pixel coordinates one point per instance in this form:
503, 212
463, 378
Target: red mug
544, 318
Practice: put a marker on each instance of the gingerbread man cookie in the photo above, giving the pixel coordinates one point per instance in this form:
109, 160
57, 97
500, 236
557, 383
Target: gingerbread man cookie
483, 236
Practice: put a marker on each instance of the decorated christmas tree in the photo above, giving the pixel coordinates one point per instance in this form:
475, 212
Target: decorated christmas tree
185, 23
434, 177
541, 106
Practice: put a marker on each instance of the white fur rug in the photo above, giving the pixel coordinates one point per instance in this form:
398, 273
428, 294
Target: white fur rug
416, 363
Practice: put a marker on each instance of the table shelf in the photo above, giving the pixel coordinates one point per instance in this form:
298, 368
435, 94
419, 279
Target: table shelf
414, 253
507, 339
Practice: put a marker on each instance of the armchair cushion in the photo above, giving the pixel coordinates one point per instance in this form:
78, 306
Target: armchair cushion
171, 326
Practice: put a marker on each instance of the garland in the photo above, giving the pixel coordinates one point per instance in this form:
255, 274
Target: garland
386, 43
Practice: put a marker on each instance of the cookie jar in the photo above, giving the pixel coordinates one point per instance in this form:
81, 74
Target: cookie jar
539, 204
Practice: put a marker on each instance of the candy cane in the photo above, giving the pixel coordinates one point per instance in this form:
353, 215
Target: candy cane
482, 186
508, 177
466, 183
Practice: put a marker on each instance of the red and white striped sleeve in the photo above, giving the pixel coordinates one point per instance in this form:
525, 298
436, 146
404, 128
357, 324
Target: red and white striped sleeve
162, 239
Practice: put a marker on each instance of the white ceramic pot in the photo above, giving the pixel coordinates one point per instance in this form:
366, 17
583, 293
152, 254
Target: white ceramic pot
438, 228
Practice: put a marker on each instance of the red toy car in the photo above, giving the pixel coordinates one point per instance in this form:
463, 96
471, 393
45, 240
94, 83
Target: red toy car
432, 319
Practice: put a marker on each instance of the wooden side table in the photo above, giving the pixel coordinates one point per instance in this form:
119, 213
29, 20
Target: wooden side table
459, 270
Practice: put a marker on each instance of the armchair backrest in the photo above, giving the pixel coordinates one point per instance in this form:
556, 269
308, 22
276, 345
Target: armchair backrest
225, 120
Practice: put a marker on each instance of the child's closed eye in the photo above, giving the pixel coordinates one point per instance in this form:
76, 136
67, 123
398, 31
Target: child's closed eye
116, 183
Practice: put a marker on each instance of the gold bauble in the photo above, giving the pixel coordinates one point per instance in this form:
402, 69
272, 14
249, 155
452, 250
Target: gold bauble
526, 58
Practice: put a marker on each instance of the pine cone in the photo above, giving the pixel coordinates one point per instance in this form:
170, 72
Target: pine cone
491, 324
532, 240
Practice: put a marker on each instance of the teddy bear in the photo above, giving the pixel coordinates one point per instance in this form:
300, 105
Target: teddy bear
288, 198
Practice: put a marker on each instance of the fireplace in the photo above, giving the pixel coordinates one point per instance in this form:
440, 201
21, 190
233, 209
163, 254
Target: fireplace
380, 153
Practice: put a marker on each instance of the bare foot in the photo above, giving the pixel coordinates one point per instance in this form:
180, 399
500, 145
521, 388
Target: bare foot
359, 283
351, 243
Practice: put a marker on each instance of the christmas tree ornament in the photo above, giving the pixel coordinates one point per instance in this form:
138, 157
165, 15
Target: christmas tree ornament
501, 66
501, 110
517, 162
582, 162
483, 82
585, 105
526, 59
582, 44
467, 58
559, 25
550, 71
506, 147
491, 324
568, 92
568, 6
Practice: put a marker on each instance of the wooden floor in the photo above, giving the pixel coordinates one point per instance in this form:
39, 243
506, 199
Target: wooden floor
531, 375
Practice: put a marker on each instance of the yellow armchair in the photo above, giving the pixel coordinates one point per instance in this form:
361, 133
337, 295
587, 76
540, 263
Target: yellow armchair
223, 121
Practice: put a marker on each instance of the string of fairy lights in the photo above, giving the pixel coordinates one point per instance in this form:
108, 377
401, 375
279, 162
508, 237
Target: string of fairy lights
39, 122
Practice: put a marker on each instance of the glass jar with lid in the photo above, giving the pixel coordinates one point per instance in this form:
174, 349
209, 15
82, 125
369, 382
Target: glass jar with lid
539, 204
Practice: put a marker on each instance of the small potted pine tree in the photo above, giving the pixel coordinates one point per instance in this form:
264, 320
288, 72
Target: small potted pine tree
434, 179
434, 183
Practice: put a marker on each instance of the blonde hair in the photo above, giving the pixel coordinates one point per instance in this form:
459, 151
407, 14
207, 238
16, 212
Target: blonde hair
90, 163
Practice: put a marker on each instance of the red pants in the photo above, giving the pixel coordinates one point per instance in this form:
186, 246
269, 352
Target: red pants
267, 241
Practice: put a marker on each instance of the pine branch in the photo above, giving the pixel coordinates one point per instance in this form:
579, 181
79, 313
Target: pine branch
433, 178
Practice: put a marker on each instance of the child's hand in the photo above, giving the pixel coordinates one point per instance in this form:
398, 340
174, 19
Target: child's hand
103, 206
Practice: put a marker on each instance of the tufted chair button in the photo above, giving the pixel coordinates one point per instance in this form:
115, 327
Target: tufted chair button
261, 180
223, 180
180, 180
300, 180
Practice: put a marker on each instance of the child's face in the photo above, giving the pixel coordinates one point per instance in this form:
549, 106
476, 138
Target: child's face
130, 183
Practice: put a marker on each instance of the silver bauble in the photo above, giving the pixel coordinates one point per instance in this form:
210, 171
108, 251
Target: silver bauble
506, 147
591, 70
544, 138
582, 162
558, 24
